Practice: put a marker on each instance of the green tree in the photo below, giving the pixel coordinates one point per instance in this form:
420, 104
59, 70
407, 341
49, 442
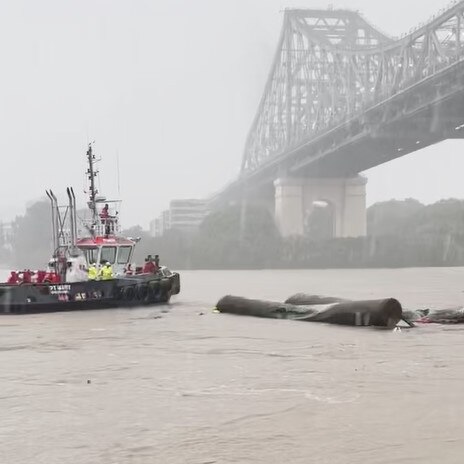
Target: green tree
32, 236
392, 217
237, 238
5, 251
144, 247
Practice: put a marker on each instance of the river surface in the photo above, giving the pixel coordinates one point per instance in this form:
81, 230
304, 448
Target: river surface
179, 384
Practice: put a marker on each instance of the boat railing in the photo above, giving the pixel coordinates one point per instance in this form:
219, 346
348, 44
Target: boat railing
106, 226
65, 238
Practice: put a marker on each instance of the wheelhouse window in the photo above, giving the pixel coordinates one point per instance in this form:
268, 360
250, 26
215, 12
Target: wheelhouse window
124, 254
108, 254
91, 255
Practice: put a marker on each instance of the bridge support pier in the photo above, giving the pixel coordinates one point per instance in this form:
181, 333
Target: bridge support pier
294, 202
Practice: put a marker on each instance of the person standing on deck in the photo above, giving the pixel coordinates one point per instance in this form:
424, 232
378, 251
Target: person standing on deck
27, 277
92, 272
149, 267
104, 214
106, 219
106, 272
13, 279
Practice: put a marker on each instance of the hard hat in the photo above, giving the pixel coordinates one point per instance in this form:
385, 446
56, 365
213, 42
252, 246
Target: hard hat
107, 263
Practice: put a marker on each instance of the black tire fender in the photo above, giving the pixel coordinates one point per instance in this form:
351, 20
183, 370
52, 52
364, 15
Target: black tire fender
141, 292
166, 284
129, 293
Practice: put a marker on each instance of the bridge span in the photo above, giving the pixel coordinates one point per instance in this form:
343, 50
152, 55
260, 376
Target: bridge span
342, 97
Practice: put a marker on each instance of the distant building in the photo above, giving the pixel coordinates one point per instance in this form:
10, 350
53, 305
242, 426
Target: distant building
155, 228
6, 235
6, 232
165, 221
183, 215
187, 215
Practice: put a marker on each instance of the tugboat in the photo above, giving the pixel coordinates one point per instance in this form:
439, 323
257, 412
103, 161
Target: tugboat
91, 264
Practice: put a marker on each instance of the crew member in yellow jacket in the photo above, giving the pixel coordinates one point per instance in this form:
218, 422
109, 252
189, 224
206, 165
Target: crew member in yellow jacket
106, 272
92, 272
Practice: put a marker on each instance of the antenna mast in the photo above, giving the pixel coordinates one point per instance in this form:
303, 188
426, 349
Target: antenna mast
92, 174
119, 183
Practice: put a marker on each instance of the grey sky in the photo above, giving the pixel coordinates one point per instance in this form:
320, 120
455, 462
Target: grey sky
172, 86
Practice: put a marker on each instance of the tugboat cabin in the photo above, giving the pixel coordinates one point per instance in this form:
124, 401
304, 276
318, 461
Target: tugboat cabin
105, 242
116, 250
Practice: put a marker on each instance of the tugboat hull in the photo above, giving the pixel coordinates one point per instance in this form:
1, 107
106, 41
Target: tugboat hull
122, 292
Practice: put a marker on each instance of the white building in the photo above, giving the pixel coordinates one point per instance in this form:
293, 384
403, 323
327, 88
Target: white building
6, 234
155, 230
183, 215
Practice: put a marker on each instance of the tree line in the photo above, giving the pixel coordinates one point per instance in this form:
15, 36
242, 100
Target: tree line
400, 234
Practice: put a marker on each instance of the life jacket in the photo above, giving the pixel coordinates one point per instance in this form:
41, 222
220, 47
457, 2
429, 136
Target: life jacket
13, 279
92, 273
149, 267
104, 213
27, 276
52, 277
106, 272
40, 276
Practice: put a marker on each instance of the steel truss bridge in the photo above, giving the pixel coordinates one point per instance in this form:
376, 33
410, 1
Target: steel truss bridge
342, 97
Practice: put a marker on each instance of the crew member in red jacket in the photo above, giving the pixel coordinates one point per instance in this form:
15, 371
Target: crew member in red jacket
27, 277
41, 276
149, 267
51, 278
13, 279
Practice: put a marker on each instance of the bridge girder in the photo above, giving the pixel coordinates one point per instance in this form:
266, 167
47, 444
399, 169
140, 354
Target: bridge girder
332, 67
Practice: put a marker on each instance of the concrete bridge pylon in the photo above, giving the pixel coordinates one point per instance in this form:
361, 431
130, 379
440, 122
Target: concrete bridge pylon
295, 199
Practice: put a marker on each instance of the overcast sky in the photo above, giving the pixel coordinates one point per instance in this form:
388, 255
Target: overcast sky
169, 86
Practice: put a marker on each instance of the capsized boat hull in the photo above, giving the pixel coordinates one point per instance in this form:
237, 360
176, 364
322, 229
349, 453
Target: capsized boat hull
139, 290
379, 313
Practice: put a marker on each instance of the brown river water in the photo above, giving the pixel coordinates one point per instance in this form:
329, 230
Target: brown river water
168, 385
